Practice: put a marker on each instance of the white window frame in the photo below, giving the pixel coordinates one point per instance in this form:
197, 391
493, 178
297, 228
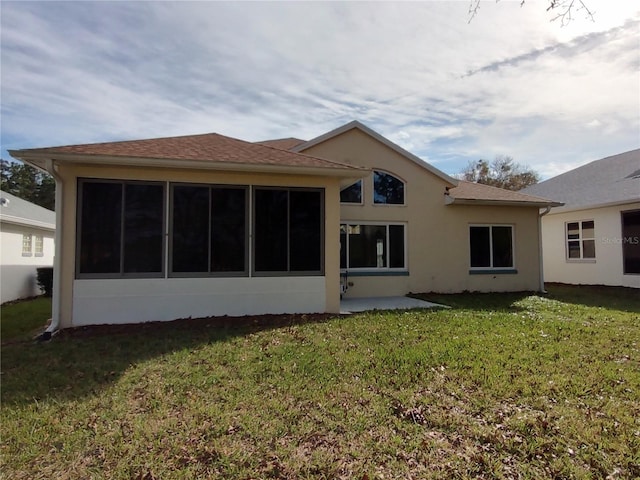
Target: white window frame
39, 246
373, 190
513, 246
27, 245
581, 239
361, 202
387, 249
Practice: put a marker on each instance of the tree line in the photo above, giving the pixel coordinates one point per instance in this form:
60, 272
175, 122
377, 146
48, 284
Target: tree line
502, 172
28, 183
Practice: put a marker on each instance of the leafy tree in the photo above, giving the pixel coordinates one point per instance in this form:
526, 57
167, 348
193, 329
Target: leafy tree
503, 172
28, 183
565, 10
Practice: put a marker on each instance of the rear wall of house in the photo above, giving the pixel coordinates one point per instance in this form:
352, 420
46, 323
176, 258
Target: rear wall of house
129, 300
437, 235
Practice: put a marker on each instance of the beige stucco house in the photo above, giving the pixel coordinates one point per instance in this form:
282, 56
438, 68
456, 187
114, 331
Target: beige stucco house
205, 225
595, 237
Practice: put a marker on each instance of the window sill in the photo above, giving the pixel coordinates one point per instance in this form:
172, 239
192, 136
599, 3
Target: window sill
494, 271
375, 273
581, 260
27, 255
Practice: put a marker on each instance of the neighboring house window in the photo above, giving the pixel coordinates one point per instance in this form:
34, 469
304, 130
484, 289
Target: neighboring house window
39, 246
491, 246
209, 229
288, 230
581, 243
352, 193
27, 240
631, 242
373, 246
121, 228
387, 189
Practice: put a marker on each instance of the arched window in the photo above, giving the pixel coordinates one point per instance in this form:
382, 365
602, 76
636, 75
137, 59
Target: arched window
387, 189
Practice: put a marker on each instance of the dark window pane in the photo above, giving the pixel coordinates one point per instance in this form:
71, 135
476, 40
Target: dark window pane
190, 229
631, 241
387, 189
574, 249
143, 232
305, 230
343, 246
100, 227
573, 231
352, 193
228, 229
480, 246
396, 246
271, 227
502, 250
367, 246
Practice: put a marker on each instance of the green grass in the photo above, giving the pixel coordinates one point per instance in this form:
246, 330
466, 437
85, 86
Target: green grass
24, 319
499, 386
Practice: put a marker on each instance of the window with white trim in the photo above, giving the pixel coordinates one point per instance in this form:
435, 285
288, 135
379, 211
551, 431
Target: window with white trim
372, 246
580, 240
39, 246
387, 189
27, 242
352, 193
491, 246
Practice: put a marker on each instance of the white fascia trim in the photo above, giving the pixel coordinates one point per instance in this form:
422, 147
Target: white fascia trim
27, 222
467, 201
568, 209
397, 148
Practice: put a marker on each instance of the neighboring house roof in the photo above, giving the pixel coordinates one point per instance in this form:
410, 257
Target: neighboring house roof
609, 181
469, 193
20, 212
283, 143
194, 151
357, 125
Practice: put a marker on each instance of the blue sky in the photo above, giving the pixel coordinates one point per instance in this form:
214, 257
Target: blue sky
510, 82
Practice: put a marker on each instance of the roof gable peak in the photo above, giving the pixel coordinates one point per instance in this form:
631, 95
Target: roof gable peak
355, 124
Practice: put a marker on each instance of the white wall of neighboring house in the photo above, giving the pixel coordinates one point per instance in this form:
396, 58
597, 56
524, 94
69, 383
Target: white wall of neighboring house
607, 268
18, 268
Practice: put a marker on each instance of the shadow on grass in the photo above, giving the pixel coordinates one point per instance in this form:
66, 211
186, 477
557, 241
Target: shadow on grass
615, 298
495, 302
83, 361
623, 299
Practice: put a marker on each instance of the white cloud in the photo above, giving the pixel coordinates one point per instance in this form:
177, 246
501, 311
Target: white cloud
509, 82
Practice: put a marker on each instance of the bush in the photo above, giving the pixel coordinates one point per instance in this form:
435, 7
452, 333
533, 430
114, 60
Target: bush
45, 280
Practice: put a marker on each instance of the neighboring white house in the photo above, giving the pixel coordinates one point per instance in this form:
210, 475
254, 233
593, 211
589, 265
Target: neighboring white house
26, 242
594, 238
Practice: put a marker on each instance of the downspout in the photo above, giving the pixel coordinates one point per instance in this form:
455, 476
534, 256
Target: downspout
57, 263
546, 210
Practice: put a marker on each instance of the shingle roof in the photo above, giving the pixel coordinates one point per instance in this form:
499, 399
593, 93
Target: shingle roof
469, 192
210, 147
16, 210
610, 180
283, 143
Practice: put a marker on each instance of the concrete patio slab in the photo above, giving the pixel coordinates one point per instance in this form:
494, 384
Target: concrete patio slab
354, 305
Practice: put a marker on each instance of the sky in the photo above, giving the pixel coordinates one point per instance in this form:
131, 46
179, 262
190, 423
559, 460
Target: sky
509, 82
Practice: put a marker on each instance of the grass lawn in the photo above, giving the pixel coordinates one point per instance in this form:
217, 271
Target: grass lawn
498, 386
